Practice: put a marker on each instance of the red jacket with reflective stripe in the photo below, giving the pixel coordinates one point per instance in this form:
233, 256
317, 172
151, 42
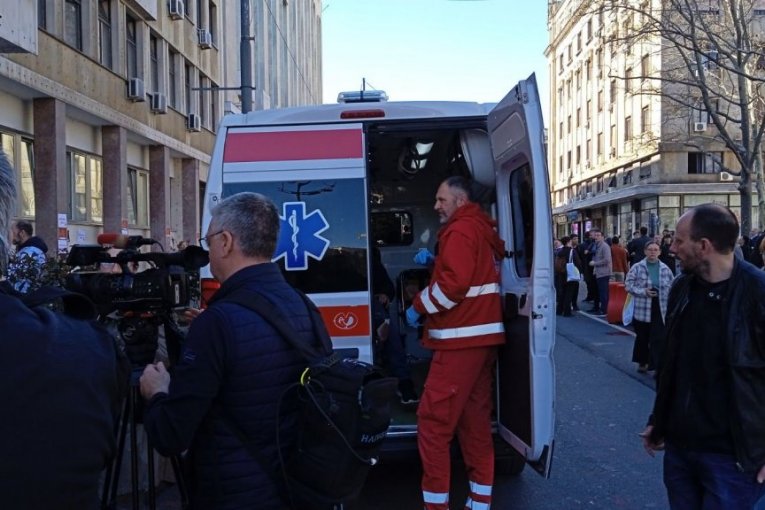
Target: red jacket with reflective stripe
462, 302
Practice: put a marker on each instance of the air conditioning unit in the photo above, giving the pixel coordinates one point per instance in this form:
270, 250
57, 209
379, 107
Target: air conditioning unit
177, 9
159, 103
726, 177
135, 90
205, 38
699, 127
194, 122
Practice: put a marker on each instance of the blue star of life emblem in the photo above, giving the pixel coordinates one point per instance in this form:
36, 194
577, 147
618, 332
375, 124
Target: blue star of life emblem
299, 236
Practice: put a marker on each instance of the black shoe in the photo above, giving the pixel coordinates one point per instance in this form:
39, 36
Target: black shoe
406, 392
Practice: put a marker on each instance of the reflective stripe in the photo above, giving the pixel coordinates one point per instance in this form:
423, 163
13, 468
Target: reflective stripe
442, 299
426, 302
467, 331
436, 498
476, 505
480, 490
480, 290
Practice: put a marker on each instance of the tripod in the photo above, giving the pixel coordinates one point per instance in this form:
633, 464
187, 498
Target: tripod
131, 417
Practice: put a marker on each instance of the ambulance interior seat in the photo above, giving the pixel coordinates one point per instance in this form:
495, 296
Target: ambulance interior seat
408, 284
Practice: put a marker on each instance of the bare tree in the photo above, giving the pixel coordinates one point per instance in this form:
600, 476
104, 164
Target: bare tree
712, 67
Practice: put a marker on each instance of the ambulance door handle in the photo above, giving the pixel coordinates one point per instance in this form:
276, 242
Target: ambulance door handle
535, 315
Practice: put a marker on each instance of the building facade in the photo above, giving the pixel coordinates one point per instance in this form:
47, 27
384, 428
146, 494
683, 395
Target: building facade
109, 108
621, 155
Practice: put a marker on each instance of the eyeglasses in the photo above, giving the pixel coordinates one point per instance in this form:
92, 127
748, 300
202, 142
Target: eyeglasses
204, 242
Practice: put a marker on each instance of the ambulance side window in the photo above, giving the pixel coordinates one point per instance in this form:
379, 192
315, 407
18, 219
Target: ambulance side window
323, 240
522, 203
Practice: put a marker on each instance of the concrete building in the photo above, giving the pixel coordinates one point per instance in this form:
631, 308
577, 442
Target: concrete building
622, 156
109, 108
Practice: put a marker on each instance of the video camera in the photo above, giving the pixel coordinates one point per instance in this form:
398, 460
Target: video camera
164, 286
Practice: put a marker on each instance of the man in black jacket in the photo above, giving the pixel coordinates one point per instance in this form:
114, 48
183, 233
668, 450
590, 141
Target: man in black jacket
60, 386
233, 368
709, 412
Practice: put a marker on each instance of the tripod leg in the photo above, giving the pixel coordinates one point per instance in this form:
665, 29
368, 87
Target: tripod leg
111, 480
181, 481
150, 473
134, 450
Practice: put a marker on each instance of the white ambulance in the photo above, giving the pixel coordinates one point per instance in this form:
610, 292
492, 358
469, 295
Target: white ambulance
355, 183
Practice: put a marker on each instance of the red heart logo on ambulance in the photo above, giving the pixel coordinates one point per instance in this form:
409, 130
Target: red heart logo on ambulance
345, 320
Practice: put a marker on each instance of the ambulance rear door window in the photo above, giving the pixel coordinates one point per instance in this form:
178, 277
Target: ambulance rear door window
323, 240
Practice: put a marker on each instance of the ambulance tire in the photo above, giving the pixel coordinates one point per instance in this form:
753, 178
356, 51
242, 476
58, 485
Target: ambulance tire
509, 464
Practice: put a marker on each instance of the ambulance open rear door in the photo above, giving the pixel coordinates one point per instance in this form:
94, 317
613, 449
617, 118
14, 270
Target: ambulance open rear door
526, 373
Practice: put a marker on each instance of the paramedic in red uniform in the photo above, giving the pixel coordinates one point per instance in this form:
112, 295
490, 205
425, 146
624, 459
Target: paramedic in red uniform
463, 326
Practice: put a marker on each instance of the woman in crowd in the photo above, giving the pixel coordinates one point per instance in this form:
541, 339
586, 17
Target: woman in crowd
648, 282
666, 257
567, 291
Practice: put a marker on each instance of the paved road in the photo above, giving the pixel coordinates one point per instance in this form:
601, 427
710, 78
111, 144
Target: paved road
602, 403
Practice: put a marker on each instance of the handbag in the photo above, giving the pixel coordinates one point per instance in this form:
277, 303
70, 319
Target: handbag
572, 272
628, 311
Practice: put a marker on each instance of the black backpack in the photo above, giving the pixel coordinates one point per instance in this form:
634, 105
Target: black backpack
344, 414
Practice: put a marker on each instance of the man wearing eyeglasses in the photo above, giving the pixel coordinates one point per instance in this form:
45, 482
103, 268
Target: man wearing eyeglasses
233, 368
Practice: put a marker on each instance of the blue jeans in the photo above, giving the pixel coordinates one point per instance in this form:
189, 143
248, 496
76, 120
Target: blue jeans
602, 284
708, 481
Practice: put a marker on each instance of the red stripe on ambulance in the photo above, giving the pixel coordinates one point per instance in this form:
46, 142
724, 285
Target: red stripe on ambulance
293, 145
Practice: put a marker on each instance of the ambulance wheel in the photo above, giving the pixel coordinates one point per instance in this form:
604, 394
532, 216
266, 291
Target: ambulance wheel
509, 464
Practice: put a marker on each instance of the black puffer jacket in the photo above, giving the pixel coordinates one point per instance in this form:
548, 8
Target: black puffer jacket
745, 340
60, 385
232, 359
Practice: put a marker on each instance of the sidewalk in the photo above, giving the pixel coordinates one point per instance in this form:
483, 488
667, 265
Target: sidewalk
611, 342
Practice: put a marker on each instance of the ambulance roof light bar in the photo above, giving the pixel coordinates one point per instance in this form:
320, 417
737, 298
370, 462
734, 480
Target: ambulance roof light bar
362, 96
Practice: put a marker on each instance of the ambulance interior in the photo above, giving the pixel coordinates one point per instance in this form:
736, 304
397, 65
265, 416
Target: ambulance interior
406, 165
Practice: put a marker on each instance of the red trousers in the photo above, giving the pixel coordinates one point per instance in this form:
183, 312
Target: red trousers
457, 399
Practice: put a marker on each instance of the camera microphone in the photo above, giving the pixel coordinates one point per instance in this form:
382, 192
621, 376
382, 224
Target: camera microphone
123, 241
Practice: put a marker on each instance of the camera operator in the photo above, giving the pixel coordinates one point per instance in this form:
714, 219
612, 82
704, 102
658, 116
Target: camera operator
60, 385
233, 368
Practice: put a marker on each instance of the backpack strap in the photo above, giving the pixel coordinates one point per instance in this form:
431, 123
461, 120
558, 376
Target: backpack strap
269, 313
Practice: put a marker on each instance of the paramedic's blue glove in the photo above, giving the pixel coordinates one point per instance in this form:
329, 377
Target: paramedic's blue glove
412, 317
424, 257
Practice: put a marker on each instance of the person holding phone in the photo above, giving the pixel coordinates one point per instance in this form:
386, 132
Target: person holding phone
648, 282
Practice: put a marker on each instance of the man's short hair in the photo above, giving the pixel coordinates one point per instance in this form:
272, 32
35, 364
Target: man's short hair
252, 219
595, 230
565, 239
25, 226
643, 231
615, 240
716, 223
462, 184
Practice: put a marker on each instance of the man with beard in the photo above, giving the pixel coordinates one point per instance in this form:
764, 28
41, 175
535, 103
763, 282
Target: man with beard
709, 412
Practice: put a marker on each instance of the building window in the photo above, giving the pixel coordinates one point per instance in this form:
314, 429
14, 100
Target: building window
73, 23
138, 198
600, 100
645, 66
20, 154
187, 86
628, 80
86, 193
587, 151
627, 128
153, 63
704, 162
560, 129
199, 13
600, 144
42, 14
212, 21
204, 83
214, 115
105, 33
645, 119
589, 30
578, 117
131, 46
172, 78
588, 114
568, 124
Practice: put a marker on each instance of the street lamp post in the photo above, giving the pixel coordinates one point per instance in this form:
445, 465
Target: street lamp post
245, 57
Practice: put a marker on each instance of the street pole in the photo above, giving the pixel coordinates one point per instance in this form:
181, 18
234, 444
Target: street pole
245, 57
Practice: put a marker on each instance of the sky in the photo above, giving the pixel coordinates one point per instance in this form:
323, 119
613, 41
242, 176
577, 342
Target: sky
452, 50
